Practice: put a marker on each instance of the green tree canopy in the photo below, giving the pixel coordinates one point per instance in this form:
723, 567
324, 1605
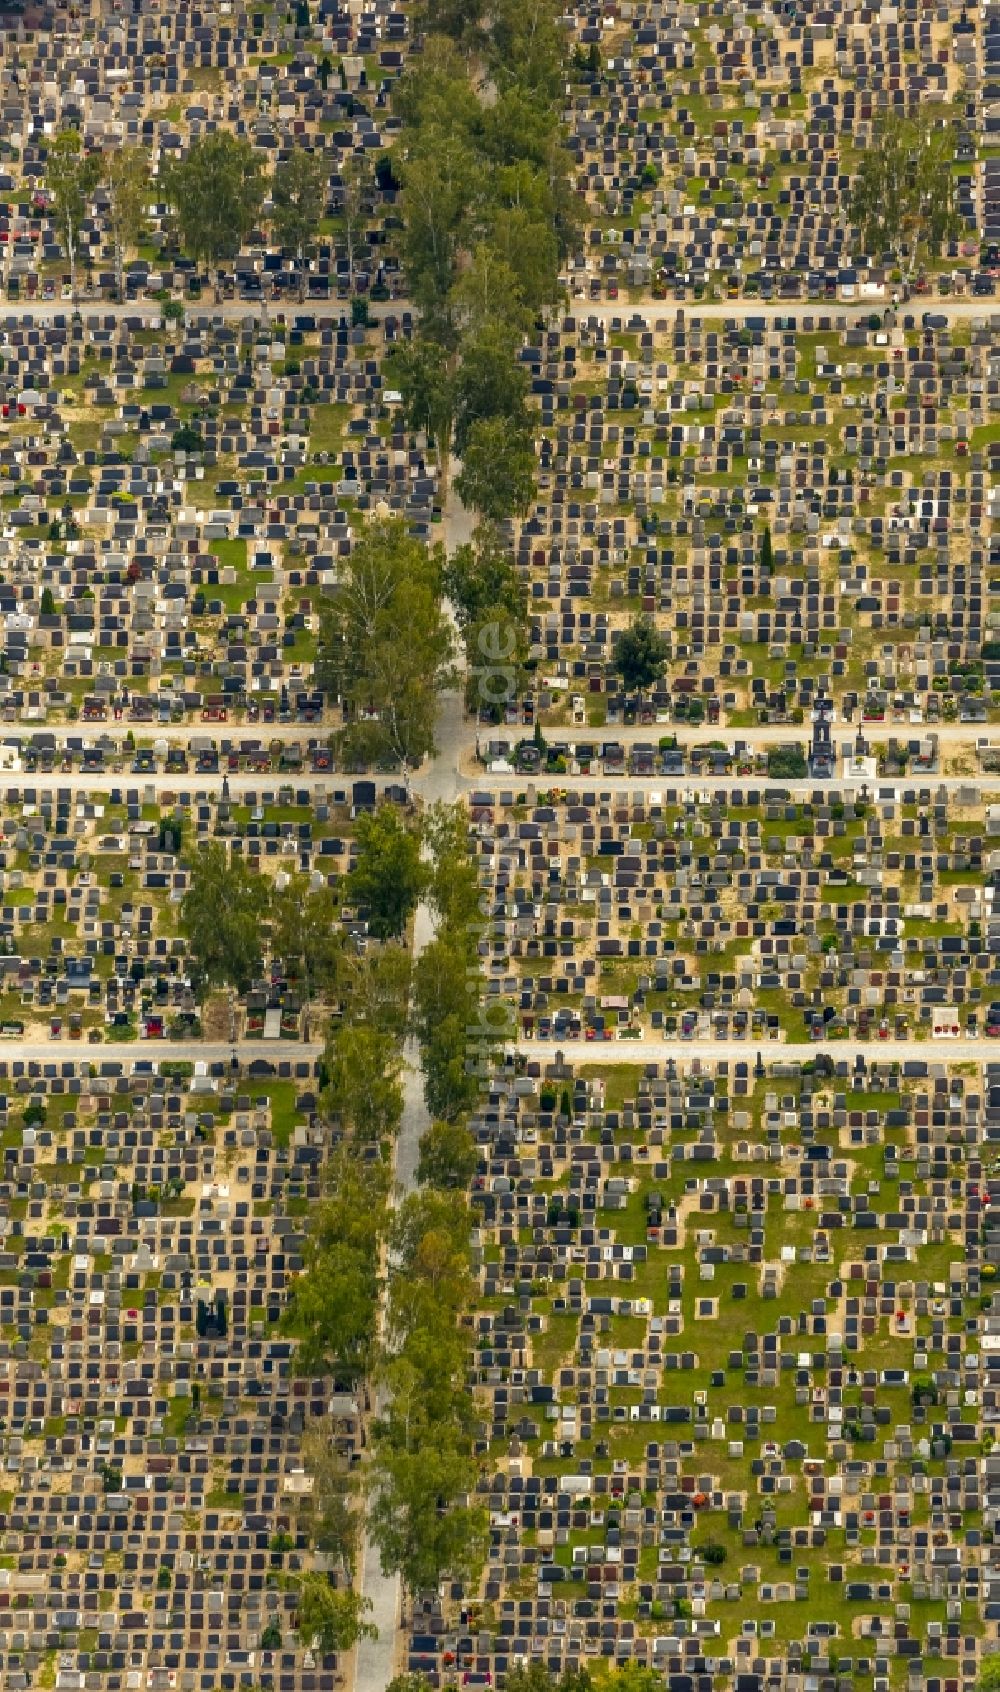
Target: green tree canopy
333, 1309
766, 549
527, 46
221, 914
456, 1051
490, 384
439, 173
488, 295
306, 934
363, 1087
419, 1513
640, 654
127, 179
528, 244
787, 763
386, 646
429, 1287
434, 91
497, 477
330, 1618
352, 205
536, 1677
421, 370
71, 175
480, 578
388, 875
298, 200
453, 889
448, 1156
458, 19
424, 1525
490, 607
902, 196
374, 985
333, 1517
216, 191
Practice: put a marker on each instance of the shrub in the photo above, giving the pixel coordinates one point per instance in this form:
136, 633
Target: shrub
187, 439
787, 763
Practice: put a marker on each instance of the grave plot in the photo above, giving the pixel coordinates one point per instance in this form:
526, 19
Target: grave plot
159, 80
731, 1420
752, 914
90, 905
798, 502
179, 502
155, 1509
717, 151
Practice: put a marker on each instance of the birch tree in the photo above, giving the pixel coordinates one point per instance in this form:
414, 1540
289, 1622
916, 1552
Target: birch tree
126, 178
71, 175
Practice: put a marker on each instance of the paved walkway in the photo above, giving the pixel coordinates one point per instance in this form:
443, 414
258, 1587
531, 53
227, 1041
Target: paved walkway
153, 1053
605, 1053
375, 1659
956, 310
693, 785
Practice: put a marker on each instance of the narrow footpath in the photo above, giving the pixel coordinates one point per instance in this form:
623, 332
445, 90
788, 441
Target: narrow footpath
438, 780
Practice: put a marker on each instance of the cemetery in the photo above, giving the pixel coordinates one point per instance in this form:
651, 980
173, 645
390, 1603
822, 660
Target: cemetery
499, 832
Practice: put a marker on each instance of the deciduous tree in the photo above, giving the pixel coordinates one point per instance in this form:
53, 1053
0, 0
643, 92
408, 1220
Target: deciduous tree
363, 1087
352, 205
306, 934
488, 296
527, 46
902, 197
430, 1285
331, 1618
332, 1513
490, 384
421, 1513
448, 1156
374, 986
298, 197
221, 914
386, 646
216, 191
421, 370
438, 173
388, 875
127, 180
640, 654
334, 1303
480, 577
456, 1049
490, 609
497, 477
453, 889
71, 175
